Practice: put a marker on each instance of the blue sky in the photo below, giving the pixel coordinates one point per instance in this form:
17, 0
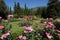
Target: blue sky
29, 3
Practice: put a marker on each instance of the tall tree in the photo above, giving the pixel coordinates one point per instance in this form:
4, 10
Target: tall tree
10, 10
18, 8
26, 10
15, 9
43, 13
52, 8
3, 8
38, 12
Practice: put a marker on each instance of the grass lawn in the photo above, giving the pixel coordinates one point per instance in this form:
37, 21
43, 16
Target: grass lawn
16, 29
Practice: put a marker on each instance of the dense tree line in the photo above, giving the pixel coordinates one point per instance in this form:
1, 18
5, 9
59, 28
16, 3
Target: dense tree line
52, 9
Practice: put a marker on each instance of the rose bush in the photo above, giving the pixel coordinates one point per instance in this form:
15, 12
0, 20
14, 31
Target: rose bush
30, 30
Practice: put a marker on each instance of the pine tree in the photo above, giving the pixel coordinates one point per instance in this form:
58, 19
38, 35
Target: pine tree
3, 8
10, 10
26, 10
52, 8
15, 9
43, 14
18, 8
38, 11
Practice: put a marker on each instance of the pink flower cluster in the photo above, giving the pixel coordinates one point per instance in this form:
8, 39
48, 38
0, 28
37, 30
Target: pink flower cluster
48, 35
10, 16
58, 33
50, 19
28, 29
39, 27
4, 20
1, 27
5, 35
36, 22
49, 25
22, 37
0, 17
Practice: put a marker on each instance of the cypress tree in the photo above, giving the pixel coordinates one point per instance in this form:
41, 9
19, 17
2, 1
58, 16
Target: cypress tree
3, 8
52, 8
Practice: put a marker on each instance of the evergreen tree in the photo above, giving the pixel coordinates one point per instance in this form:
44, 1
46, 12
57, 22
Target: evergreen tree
52, 8
38, 12
26, 10
3, 8
15, 9
43, 14
10, 10
18, 8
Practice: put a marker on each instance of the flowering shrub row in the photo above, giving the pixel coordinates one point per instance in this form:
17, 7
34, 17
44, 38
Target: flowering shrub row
46, 32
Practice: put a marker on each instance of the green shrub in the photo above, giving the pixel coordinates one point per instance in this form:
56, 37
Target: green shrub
43, 20
57, 24
16, 32
23, 23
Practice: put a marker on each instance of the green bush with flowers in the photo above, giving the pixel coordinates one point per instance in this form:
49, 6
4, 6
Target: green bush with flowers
29, 30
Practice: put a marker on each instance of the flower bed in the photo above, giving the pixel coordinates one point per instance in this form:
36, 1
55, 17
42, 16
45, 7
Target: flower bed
29, 30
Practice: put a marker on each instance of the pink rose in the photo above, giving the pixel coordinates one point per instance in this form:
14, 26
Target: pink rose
44, 23
20, 37
58, 31
47, 26
0, 17
24, 37
59, 35
39, 27
1, 27
10, 16
48, 35
3, 20
28, 29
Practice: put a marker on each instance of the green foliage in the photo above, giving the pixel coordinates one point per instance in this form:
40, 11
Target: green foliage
23, 23
53, 8
26, 10
17, 10
57, 24
44, 11
16, 32
38, 12
43, 20
2, 6
3, 9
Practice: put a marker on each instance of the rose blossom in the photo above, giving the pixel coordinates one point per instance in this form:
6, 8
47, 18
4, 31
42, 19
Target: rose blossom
53, 27
47, 26
44, 23
1, 27
20, 37
4, 20
29, 28
24, 37
5, 35
0, 17
49, 23
39, 27
48, 35
59, 35
50, 18
58, 31
10, 16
